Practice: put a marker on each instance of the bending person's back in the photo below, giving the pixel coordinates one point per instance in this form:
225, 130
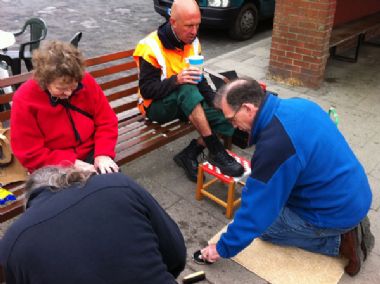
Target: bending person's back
108, 231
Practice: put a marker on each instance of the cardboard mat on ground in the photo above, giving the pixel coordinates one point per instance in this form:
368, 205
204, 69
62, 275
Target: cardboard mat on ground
283, 265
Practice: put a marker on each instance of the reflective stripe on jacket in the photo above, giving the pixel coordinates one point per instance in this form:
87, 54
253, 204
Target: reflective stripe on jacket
170, 61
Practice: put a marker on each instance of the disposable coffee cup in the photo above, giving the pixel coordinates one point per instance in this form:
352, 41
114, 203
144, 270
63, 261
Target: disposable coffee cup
196, 61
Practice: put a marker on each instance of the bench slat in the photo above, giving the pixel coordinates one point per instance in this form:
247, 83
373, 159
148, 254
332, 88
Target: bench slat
16, 207
6, 98
13, 80
118, 82
5, 115
123, 94
130, 128
132, 117
141, 122
113, 69
125, 107
108, 57
150, 131
12, 210
140, 132
132, 153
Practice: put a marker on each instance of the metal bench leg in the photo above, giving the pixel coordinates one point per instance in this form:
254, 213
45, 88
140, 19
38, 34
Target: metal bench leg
347, 58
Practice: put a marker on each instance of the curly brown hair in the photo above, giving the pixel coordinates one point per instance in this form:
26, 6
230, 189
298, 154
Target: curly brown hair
56, 59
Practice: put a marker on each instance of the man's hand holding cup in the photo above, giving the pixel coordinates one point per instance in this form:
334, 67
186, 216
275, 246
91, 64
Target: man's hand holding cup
194, 73
191, 75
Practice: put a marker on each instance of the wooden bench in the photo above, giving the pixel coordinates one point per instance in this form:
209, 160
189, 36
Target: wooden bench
350, 31
116, 73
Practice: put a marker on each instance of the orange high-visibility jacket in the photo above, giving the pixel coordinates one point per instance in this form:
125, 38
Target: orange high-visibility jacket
170, 61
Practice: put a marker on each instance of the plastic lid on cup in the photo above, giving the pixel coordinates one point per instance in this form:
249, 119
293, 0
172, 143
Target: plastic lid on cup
195, 60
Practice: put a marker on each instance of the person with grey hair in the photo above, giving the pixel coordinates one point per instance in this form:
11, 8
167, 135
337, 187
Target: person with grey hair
306, 189
85, 228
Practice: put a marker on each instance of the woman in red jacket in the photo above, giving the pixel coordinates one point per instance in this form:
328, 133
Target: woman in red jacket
61, 116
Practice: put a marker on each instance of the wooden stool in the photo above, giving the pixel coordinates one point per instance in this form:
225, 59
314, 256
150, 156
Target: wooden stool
202, 187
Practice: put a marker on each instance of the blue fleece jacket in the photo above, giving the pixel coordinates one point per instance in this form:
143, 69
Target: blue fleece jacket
303, 162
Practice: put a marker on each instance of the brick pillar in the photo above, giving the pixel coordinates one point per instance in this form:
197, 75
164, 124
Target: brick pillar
300, 41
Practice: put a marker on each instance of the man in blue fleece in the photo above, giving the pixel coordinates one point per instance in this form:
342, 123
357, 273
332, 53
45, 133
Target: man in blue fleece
307, 189
85, 228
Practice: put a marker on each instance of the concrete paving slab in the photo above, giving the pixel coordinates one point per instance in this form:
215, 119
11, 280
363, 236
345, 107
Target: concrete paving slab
375, 184
369, 155
197, 225
369, 272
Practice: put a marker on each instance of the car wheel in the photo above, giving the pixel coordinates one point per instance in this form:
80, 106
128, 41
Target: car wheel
245, 23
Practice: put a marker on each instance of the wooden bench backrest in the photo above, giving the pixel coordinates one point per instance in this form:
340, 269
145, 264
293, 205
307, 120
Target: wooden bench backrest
116, 74
354, 28
7, 98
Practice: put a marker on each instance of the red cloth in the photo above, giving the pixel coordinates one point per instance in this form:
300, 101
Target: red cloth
41, 134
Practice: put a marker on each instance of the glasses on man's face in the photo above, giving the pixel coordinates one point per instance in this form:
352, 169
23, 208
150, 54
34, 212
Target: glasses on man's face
232, 118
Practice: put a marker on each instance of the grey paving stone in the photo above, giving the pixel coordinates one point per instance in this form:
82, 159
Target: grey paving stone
375, 187
369, 272
196, 225
369, 154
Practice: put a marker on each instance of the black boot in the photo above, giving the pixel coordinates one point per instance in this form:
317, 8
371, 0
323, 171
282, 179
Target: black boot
187, 159
219, 157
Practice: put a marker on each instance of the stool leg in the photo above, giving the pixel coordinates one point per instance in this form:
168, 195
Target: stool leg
230, 199
198, 192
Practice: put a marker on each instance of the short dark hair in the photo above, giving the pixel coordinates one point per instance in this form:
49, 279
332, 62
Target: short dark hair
242, 90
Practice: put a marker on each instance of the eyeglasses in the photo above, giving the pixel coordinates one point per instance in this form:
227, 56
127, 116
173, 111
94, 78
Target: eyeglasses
232, 118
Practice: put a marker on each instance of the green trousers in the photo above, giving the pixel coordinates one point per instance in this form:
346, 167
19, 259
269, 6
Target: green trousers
180, 104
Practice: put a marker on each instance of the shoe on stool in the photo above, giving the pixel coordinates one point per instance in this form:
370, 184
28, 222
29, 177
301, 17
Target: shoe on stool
187, 159
226, 163
350, 249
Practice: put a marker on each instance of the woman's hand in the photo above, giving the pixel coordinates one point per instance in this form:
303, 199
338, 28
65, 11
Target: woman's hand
80, 165
189, 76
105, 164
210, 253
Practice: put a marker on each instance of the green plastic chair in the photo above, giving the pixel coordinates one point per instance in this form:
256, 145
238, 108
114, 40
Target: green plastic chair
38, 32
76, 39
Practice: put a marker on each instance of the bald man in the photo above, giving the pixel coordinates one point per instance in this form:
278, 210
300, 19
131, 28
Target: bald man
170, 89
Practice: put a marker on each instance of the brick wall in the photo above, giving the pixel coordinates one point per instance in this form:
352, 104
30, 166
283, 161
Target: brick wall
301, 33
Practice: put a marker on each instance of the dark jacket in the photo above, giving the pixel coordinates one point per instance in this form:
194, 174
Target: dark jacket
109, 231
